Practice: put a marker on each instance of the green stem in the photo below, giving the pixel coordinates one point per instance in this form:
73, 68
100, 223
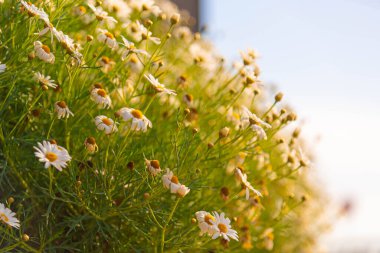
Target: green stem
166, 224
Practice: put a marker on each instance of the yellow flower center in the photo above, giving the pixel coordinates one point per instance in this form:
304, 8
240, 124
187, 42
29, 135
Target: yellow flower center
91, 140
174, 180
51, 156
209, 218
82, 9
222, 228
106, 60
107, 121
102, 93
155, 164
189, 97
46, 49
109, 35
4, 217
62, 104
137, 114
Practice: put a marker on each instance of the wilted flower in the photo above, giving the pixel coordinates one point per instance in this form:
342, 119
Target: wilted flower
62, 110
243, 178
153, 166
8, 217
91, 145
43, 52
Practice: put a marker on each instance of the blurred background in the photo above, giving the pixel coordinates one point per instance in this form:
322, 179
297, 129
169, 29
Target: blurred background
324, 55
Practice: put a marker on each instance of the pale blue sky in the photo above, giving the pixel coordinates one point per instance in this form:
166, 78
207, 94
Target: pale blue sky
324, 55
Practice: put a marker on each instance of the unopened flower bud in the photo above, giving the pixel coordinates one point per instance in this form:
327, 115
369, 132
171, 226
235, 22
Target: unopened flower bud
11, 200
174, 19
278, 97
131, 165
210, 145
224, 132
148, 22
89, 38
162, 16
195, 130
25, 237
31, 56
146, 195
193, 220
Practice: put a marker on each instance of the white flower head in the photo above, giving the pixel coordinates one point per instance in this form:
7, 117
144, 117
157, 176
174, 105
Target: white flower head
121, 8
261, 134
130, 48
138, 121
45, 80
153, 166
243, 178
100, 96
183, 190
247, 115
102, 15
62, 110
158, 86
33, 11
170, 181
223, 228
3, 67
105, 124
146, 34
8, 217
52, 155
43, 52
106, 64
107, 38
205, 222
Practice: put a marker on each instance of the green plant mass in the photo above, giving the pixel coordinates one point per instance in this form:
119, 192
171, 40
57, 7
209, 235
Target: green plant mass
122, 131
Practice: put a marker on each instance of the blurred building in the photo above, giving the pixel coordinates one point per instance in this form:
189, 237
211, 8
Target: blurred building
193, 7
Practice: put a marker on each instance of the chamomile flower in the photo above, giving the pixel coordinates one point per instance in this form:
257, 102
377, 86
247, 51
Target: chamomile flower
102, 15
106, 64
45, 81
183, 190
91, 145
3, 67
261, 134
107, 38
62, 110
130, 48
142, 5
223, 228
52, 155
158, 86
247, 115
33, 11
69, 45
146, 34
8, 217
137, 120
103, 123
205, 222
121, 8
170, 181
43, 52
243, 178
153, 166
100, 96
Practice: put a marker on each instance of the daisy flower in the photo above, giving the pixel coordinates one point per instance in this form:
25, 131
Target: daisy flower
158, 86
247, 115
243, 178
146, 34
33, 11
223, 228
43, 52
91, 145
8, 217
142, 5
107, 38
138, 121
100, 97
121, 8
52, 155
259, 131
205, 222
105, 124
170, 181
45, 81
130, 48
153, 166
106, 64
102, 15
68, 44
62, 110
183, 190
3, 67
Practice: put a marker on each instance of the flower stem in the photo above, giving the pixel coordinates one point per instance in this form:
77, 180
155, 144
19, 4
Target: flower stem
167, 222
